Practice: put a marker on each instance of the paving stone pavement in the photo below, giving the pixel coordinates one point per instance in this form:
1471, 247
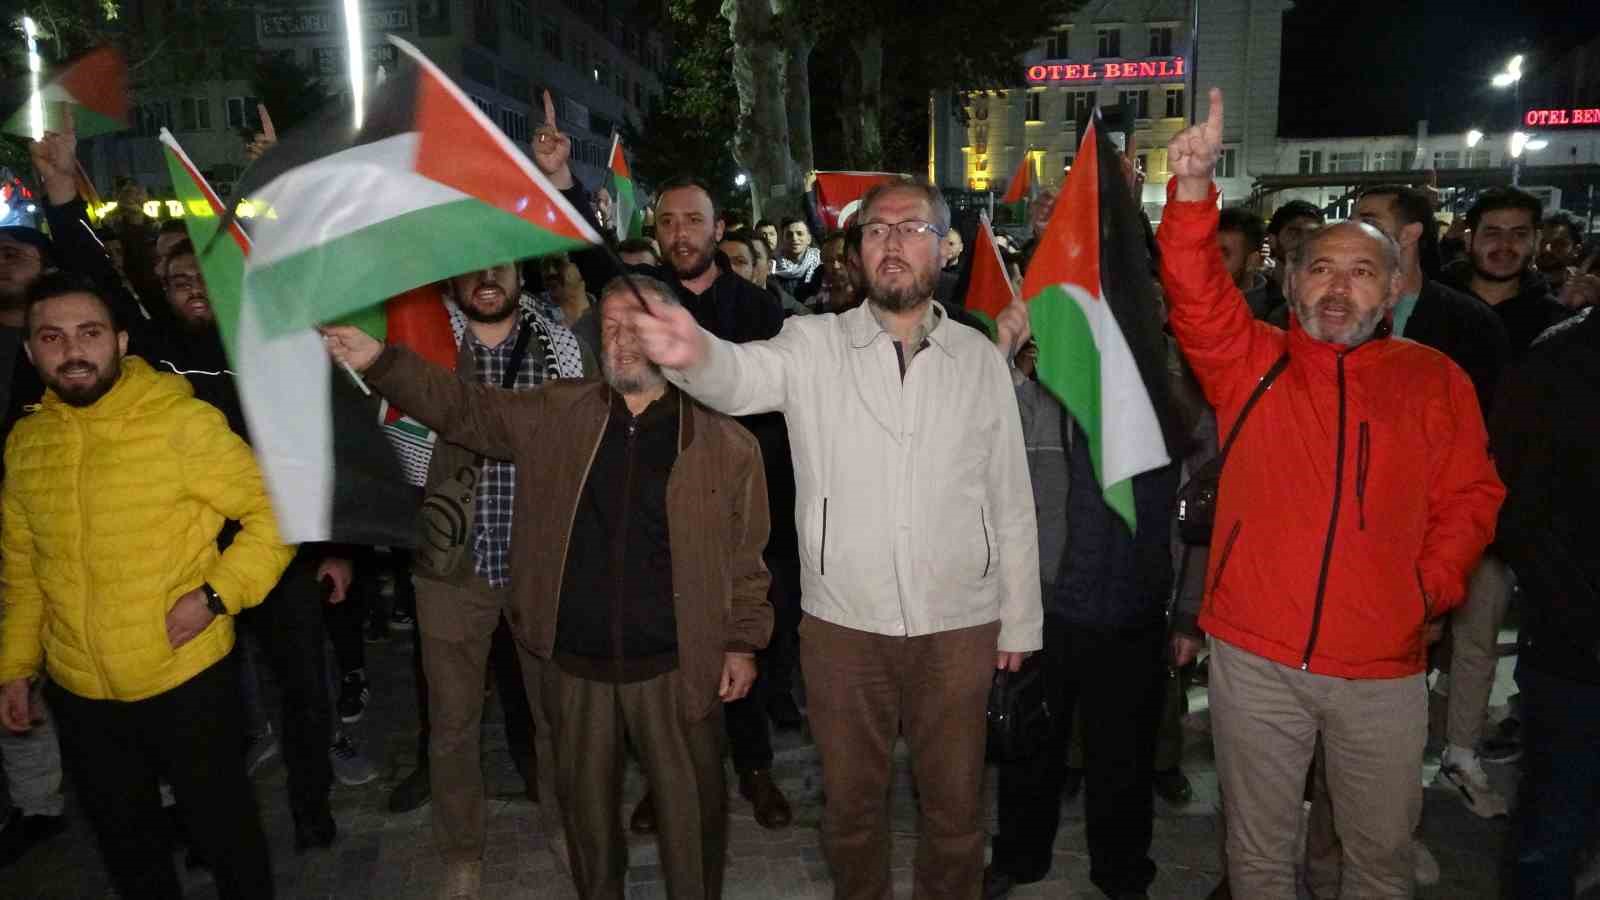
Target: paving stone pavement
387, 857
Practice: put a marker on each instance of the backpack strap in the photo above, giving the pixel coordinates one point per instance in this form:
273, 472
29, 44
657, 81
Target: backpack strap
1261, 388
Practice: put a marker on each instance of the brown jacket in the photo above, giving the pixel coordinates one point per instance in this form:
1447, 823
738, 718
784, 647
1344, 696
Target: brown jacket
716, 505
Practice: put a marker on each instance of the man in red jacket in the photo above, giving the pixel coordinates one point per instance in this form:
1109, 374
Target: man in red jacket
1357, 498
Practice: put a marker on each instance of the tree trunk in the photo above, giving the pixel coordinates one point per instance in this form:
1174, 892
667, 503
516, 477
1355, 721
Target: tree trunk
801, 43
868, 46
761, 143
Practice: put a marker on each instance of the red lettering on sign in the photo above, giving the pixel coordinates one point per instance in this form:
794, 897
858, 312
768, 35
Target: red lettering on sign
1037, 73
1562, 118
1163, 68
1113, 70
1055, 73
1148, 70
1179, 71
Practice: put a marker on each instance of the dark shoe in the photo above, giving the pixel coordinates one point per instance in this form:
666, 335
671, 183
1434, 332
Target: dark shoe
528, 768
315, 833
400, 620
1072, 784
353, 696
1221, 891
412, 792
1173, 786
20, 833
997, 882
643, 820
1505, 745
772, 808
784, 712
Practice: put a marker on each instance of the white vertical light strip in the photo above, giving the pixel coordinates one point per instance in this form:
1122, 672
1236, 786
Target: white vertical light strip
35, 102
356, 56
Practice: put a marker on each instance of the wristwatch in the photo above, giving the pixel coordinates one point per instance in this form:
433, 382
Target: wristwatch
213, 600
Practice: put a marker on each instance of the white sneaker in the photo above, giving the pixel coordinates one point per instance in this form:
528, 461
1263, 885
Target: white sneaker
1423, 864
1462, 771
462, 881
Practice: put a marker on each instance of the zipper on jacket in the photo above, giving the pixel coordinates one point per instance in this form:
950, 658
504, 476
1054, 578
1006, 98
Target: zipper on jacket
1363, 465
1333, 527
1227, 553
83, 559
566, 548
988, 551
822, 551
619, 552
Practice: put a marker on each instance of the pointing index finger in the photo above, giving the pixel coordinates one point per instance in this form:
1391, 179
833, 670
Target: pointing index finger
267, 131
1213, 129
549, 109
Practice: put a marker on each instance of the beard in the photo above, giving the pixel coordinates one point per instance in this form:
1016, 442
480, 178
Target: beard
901, 297
640, 379
80, 394
1357, 330
695, 266
1479, 270
499, 313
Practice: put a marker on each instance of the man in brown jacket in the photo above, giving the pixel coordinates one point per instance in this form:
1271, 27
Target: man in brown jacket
640, 520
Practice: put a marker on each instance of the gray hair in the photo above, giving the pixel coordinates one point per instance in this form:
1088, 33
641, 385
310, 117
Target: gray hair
1301, 257
629, 283
929, 192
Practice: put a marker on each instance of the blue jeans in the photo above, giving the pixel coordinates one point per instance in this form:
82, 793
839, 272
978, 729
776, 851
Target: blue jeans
1560, 781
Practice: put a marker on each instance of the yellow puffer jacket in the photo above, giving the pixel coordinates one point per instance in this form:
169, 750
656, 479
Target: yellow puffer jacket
110, 514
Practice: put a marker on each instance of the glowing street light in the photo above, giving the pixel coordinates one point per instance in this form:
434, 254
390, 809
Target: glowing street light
35, 102
1518, 143
1473, 137
1535, 144
740, 179
357, 59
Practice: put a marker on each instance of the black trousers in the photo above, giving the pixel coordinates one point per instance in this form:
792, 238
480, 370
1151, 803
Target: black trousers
508, 685
749, 739
1116, 676
346, 620
115, 752
288, 626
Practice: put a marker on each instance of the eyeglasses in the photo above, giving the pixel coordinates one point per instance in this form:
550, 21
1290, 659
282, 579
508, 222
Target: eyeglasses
877, 232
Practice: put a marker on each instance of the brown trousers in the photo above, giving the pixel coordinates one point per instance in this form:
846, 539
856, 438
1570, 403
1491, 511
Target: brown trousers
457, 625
682, 763
1266, 719
863, 689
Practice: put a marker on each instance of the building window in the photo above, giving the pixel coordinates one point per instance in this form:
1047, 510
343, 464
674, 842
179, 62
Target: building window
1033, 107
1310, 162
1079, 103
486, 20
1066, 164
1138, 102
552, 38
1227, 163
514, 124
1447, 159
638, 96
1161, 40
153, 117
1108, 42
482, 104
521, 19
239, 110
1175, 107
1346, 161
1059, 44
1477, 159
1386, 161
195, 114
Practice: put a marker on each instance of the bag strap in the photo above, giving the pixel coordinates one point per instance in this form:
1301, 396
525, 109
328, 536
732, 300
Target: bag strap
1261, 388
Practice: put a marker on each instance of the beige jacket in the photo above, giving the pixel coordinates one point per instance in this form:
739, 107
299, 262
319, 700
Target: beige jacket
913, 505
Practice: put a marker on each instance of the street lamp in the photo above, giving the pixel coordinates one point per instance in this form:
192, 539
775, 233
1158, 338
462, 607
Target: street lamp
1512, 78
1473, 137
740, 179
1535, 144
1518, 143
1511, 75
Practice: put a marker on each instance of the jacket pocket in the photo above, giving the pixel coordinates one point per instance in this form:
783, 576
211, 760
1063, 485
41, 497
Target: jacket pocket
988, 545
1227, 553
822, 545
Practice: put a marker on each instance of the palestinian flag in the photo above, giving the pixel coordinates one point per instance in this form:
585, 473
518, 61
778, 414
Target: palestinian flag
989, 288
1091, 300
327, 483
625, 206
94, 87
1020, 190
426, 188
416, 319
835, 196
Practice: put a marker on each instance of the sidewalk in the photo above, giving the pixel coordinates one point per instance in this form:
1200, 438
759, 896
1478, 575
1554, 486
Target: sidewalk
388, 857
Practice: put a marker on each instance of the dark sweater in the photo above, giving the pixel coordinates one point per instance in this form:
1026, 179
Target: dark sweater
1526, 315
616, 620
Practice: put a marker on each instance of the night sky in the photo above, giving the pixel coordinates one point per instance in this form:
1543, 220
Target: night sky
1368, 67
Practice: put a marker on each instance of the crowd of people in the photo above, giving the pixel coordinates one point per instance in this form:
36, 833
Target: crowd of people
700, 468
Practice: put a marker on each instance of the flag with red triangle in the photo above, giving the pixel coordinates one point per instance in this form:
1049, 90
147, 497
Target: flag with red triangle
94, 87
836, 196
1020, 190
625, 206
1096, 319
989, 287
425, 188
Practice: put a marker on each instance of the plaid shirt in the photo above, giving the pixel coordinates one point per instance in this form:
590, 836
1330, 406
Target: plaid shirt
491, 523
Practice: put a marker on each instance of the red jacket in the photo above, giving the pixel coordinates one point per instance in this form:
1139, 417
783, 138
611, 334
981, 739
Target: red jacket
1359, 493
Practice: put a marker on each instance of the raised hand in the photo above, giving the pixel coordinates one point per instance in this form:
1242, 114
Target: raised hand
264, 138
55, 159
668, 334
552, 150
351, 346
1192, 155
15, 706
1012, 328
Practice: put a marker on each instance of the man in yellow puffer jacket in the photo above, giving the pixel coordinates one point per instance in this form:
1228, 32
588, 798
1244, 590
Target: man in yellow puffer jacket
115, 491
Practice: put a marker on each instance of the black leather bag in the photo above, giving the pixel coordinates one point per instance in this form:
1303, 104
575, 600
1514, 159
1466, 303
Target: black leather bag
1197, 499
1019, 713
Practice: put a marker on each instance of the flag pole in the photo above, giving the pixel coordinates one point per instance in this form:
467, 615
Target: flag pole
356, 59
35, 102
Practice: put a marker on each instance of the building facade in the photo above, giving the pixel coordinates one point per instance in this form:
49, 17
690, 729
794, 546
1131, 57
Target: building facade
601, 70
1139, 59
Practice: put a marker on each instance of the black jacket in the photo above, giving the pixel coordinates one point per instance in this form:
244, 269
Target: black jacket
1465, 329
1546, 436
1526, 315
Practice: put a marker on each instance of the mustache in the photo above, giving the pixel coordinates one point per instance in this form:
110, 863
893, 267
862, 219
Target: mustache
76, 365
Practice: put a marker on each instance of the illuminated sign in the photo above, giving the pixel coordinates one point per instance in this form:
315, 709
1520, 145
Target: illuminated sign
175, 209
299, 23
1163, 69
1562, 118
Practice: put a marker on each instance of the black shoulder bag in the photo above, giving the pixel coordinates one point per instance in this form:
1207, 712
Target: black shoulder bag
1019, 712
447, 513
1197, 499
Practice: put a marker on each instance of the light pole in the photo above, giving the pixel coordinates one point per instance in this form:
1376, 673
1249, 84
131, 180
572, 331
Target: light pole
1512, 78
